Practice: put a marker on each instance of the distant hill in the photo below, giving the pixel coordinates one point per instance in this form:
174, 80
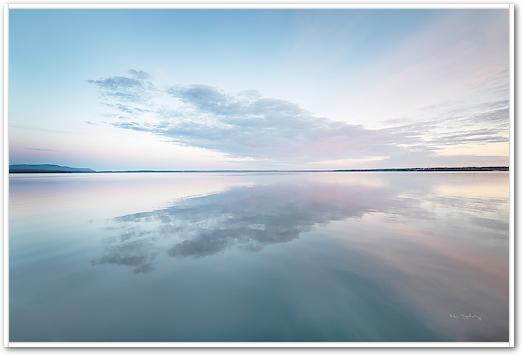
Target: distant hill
46, 168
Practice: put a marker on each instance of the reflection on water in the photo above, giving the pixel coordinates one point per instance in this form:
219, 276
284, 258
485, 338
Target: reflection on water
245, 217
259, 257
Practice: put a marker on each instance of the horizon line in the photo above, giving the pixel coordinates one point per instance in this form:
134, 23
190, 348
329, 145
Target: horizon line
29, 168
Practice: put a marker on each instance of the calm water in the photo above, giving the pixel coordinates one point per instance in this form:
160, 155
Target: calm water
259, 257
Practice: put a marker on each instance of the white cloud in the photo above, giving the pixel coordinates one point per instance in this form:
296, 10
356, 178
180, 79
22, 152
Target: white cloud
248, 125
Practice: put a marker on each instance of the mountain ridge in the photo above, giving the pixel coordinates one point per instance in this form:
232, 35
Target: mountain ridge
46, 168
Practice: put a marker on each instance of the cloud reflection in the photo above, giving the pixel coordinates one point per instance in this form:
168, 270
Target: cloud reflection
250, 218
134, 248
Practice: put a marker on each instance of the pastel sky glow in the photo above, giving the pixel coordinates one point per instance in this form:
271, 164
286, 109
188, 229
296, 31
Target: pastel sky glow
259, 89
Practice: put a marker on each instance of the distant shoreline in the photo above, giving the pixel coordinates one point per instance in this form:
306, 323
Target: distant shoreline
435, 169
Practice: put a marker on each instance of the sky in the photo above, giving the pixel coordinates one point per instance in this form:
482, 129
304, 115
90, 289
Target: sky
258, 89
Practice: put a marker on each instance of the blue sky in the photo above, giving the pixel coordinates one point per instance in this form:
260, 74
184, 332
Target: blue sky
210, 89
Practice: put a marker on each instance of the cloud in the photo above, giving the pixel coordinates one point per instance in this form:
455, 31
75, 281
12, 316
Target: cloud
484, 122
139, 74
131, 88
40, 149
246, 124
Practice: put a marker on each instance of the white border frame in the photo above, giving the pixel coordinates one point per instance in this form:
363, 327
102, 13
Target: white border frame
254, 5
5, 190
203, 5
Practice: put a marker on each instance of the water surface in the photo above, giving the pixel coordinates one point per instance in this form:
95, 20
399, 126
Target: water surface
259, 257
